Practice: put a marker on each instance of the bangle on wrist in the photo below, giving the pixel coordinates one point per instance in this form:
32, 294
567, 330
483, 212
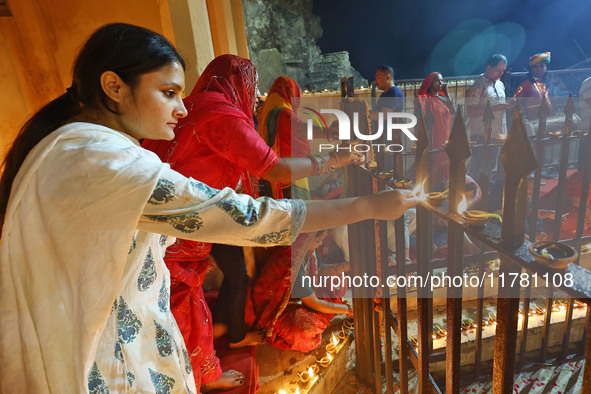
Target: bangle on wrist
321, 163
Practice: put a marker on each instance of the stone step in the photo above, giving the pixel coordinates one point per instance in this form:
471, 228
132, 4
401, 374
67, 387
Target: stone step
565, 378
279, 369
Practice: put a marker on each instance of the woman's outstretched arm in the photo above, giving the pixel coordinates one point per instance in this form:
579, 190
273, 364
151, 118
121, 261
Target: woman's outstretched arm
386, 205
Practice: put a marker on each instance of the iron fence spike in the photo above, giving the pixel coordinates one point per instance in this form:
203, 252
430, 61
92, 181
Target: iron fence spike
488, 116
543, 111
569, 109
458, 146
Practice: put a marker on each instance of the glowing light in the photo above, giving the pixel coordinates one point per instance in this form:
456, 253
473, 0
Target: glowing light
462, 205
335, 341
419, 191
282, 392
329, 357
311, 372
297, 390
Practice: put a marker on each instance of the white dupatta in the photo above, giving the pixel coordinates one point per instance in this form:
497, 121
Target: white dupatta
73, 210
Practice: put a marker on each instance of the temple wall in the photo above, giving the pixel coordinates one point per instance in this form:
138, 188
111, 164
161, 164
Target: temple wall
38, 44
282, 41
39, 40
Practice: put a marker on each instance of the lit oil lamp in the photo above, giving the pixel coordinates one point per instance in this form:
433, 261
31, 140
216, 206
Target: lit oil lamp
462, 205
348, 324
579, 304
332, 345
419, 191
309, 375
312, 373
475, 217
437, 198
304, 377
324, 361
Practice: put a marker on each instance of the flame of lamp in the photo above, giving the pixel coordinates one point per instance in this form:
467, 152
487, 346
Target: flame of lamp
462, 205
324, 361
311, 372
419, 191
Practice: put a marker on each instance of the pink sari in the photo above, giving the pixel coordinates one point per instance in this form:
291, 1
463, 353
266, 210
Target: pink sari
287, 323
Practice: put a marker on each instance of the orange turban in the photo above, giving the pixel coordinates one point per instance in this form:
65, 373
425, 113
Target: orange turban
543, 57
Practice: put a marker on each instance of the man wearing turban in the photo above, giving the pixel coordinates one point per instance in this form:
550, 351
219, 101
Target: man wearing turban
534, 89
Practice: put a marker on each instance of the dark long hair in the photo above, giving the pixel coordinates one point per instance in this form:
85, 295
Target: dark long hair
127, 50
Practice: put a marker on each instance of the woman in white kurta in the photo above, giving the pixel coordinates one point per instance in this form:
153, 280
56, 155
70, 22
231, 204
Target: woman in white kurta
87, 213
82, 262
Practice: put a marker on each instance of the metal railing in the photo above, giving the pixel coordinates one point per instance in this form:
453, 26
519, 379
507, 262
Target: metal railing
368, 243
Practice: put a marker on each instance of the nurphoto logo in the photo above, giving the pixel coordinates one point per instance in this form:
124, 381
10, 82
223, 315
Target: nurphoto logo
393, 121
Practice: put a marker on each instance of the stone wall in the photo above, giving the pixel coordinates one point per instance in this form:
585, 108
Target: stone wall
282, 41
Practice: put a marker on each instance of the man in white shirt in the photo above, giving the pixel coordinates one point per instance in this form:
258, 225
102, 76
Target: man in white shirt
487, 88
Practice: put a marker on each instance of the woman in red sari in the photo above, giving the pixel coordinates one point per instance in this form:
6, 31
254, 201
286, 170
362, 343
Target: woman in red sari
280, 127
217, 144
434, 98
294, 323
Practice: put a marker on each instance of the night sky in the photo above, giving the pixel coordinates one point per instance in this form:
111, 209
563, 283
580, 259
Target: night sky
455, 37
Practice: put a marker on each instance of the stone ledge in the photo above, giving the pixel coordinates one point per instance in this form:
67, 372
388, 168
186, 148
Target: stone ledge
278, 369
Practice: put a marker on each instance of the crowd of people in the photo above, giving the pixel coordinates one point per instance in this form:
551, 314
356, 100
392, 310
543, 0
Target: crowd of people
116, 195
92, 299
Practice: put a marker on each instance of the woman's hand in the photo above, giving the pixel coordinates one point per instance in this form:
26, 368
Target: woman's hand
385, 205
391, 204
343, 158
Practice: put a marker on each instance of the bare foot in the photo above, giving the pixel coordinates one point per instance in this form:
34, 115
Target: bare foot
252, 338
229, 380
219, 329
